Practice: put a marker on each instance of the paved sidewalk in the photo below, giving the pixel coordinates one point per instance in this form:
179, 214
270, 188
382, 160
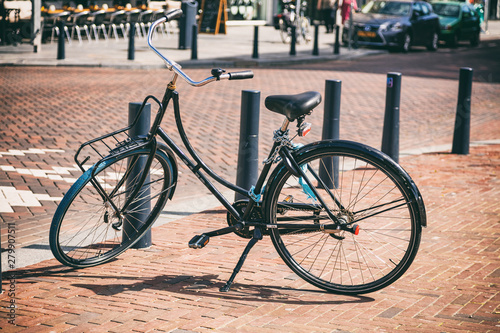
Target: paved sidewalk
233, 49
451, 287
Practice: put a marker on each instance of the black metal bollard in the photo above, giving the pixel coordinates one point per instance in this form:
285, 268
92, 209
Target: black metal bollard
390, 136
194, 43
316, 34
255, 53
131, 42
293, 41
61, 55
336, 47
329, 170
461, 133
135, 219
186, 21
248, 150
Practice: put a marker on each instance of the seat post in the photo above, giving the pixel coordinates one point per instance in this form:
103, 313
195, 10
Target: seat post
285, 124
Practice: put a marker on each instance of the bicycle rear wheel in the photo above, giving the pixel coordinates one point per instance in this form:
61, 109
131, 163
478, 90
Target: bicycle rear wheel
284, 32
367, 189
87, 231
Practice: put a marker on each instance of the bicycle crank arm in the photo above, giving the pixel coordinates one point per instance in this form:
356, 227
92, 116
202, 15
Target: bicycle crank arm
200, 241
226, 230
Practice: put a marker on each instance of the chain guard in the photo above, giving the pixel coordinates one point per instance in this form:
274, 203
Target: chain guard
256, 215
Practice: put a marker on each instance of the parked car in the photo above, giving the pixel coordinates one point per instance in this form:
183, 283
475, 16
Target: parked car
397, 24
459, 21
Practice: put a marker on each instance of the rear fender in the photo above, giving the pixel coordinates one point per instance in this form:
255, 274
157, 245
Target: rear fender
347, 146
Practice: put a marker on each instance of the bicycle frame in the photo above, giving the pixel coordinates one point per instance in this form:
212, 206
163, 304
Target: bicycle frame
197, 166
194, 162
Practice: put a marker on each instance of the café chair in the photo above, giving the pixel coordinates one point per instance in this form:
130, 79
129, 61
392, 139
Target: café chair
50, 25
145, 21
157, 14
97, 25
78, 22
117, 20
133, 18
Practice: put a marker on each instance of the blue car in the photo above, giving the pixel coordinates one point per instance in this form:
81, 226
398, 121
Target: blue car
396, 24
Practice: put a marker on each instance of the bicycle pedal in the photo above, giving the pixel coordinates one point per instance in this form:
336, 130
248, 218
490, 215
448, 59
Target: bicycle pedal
198, 241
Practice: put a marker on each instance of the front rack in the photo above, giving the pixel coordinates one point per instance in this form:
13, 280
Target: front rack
112, 144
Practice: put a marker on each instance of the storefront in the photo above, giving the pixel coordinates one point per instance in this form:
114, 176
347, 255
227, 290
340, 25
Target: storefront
250, 11
262, 11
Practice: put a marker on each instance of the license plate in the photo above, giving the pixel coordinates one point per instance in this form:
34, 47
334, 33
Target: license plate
370, 34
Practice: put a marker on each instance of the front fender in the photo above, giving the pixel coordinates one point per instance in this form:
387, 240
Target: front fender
173, 162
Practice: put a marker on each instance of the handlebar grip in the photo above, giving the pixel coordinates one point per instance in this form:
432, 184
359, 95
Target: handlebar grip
173, 14
241, 75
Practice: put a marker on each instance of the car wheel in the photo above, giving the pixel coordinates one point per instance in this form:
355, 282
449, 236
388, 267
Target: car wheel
434, 42
406, 43
474, 41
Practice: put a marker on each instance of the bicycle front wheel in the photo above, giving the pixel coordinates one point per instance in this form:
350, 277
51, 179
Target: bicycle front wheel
359, 186
305, 29
90, 228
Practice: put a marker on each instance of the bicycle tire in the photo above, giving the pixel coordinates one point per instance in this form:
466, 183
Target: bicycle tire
85, 232
284, 32
305, 29
374, 192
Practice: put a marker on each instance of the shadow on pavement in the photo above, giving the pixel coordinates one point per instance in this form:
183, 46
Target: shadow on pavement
203, 285
208, 286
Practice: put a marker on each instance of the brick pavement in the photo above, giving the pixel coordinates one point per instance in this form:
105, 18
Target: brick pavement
451, 287
56, 118
71, 105
67, 106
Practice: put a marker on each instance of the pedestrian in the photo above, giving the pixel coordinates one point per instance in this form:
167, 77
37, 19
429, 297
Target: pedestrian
345, 10
328, 12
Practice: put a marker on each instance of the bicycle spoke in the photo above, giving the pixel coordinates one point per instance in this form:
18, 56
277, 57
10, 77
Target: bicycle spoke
92, 231
356, 192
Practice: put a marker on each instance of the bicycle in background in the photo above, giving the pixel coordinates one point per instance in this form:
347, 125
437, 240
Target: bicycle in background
291, 16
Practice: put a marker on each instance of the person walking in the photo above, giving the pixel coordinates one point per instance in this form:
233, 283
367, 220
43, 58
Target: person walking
345, 10
328, 12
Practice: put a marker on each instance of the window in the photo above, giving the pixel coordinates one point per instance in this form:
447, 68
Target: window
448, 10
425, 9
417, 9
466, 11
395, 8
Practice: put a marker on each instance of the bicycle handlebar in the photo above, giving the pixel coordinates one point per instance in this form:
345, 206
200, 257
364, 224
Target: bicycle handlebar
241, 75
175, 67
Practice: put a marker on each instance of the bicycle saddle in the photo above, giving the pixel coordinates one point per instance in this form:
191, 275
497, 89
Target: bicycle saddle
293, 106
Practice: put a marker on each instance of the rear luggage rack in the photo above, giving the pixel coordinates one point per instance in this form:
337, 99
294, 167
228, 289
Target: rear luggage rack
112, 144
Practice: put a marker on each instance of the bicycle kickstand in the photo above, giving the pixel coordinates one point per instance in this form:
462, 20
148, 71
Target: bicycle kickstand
257, 235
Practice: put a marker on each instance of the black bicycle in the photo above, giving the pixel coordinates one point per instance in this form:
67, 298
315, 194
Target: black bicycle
343, 216
290, 18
